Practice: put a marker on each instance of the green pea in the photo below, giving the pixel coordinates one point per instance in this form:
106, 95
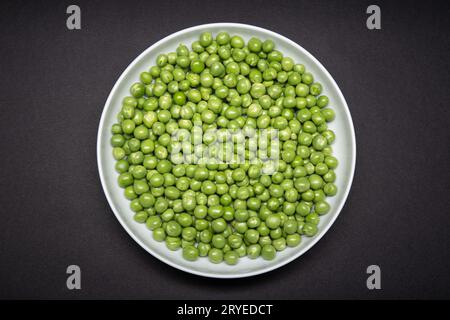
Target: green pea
316, 89
205, 236
215, 255
251, 236
268, 252
253, 251
322, 207
159, 234
312, 218
218, 241
293, 240
234, 241
219, 225
309, 229
189, 233
173, 243
153, 222
279, 244
140, 217
273, 221
330, 189
161, 205
173, 229
190, 253
185, 220
316, 181
231, 257
240, 227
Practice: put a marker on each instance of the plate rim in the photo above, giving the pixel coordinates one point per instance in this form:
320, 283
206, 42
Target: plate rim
266, 269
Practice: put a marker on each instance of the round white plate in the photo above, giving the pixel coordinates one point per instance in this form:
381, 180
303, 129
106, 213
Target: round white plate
344, 149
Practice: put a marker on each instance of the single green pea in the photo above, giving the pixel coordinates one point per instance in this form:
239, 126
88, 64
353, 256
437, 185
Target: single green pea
251, 236
330, 189
140, 217
215, 211
319, 142
273, 204
205, 39
117, 140
161, 205
268, 252
164, 166
307, 78
238, 175
322, 207
268, 46
316, 89
129, 193
190, 253
137, 90
222, 38
257, 90
322, 101
172, 193
119, 153
240, 227
231, 257
159, 234
217, 69
185, 220
135, 205
205, 236
253, 251
215, 255
218, 241
197, 66
321, 169
308, 195
219, 225
208, 187
203, 249
312, 218
116, 129
331, 162
293, 240
189, 233
156, 180
309, 229
276, 233
125, 179
153, 222
122, 166
173, 243
237, 42
279, 244
173, 229
273, 221
290, 226
330, 176
316, 181
128, 126
228, 212
234, 241
264, 240
147, 200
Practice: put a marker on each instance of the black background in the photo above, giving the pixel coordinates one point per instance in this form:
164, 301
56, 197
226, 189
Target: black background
54, 83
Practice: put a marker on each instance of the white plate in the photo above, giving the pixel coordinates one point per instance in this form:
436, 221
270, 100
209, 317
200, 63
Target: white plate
344, 149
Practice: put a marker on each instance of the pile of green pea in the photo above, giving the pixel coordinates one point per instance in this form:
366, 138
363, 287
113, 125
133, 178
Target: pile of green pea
229, 210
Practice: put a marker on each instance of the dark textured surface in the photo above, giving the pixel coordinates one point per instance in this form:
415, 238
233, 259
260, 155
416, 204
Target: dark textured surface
54, 83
